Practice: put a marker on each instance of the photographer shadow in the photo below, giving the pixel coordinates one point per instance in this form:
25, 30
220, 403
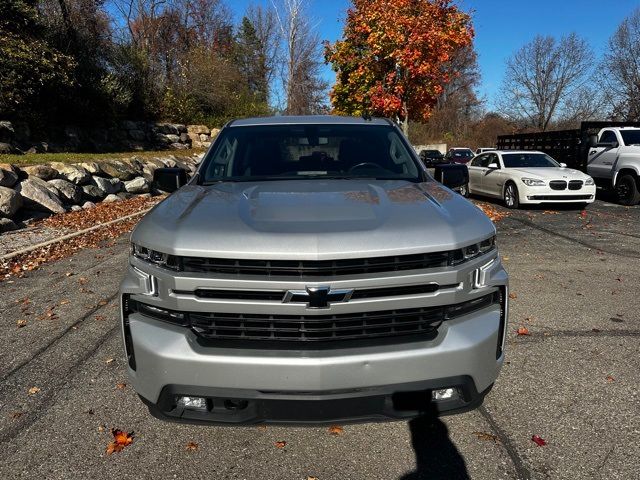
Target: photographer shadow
436, 455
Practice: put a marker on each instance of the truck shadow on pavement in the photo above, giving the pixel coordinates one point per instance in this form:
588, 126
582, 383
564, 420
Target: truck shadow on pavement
436, 455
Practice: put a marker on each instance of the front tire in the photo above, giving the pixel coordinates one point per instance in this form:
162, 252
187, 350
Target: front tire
464, 190
627, 190
510, 196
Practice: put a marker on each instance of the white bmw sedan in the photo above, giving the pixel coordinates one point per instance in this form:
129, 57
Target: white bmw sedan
528, 177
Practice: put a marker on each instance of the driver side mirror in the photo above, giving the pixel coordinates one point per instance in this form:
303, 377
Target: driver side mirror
452, 175
493, 166
592, 141
563, 165
169, 179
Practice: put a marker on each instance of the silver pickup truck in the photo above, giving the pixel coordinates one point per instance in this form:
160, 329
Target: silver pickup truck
312, 271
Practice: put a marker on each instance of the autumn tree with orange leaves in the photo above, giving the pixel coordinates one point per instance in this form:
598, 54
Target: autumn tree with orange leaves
393, 56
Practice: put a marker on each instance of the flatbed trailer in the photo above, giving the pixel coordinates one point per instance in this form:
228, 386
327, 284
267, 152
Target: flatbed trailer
565, 146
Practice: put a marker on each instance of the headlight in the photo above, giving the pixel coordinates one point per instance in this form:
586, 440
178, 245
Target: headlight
589, 181
474, 250
154, 257
533, 182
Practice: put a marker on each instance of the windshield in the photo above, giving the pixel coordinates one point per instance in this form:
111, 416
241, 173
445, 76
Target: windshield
464, 153
528, 160
280, 152
630, 137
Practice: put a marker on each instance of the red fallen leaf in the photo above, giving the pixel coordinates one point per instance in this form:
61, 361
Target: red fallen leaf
192, 446
541, 442
583, 214
281, 444
121, 386
610, 379
336, 430
523, 331
120, 440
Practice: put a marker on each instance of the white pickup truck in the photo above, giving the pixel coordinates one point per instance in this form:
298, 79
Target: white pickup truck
614, 162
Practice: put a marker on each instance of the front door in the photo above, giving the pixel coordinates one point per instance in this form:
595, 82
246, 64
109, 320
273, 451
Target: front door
602, 157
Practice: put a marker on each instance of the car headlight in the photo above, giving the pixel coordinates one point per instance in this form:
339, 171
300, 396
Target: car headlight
533, 182
589, 181
474, 250
154, 257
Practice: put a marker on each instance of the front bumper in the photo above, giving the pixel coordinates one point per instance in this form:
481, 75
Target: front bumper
315, 385
538, 195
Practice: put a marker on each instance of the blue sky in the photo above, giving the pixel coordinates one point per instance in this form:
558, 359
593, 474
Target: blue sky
502, 26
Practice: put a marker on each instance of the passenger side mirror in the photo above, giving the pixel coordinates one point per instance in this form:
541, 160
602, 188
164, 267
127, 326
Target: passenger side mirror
563, 165
493, 166
592, 141
169, 179
452, 175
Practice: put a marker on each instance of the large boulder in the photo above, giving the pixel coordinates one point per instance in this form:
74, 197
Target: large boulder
173, 138
10, 202
118, 169
198, 129
38, 195
93, 193
108, 185
7, 225
92, 167
137, 185
67, 191
135, 163
8, 176
111, 198
137, 135
73, 173
178, 146
44, 172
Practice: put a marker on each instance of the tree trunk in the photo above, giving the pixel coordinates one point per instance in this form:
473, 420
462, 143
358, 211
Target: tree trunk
405, 119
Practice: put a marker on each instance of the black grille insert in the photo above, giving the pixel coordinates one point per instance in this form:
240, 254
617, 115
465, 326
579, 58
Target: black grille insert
329, 268
575, 184
420, 323
558, 184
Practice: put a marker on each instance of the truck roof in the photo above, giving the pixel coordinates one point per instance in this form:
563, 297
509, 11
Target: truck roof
308, 120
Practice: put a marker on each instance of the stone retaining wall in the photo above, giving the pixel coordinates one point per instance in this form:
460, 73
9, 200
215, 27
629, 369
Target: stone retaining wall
125, 136
32, 191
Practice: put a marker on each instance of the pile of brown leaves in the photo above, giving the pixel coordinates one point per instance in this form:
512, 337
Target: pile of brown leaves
491, 211
102, 213
74, 221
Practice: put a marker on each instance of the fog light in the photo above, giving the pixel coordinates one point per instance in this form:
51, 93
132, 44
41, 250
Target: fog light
444, 394
196, 403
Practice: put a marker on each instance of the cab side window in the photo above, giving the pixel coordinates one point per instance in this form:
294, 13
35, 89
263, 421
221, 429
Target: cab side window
608, 136
493, 158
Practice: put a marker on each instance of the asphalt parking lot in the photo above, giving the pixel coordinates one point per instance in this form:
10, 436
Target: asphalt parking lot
573, 381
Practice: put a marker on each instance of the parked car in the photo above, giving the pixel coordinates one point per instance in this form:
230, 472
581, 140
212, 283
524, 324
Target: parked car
312, 271
459, 155
431, 157
608, 151
484, 149
528, 177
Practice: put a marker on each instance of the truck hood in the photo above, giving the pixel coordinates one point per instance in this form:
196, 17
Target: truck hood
550, 173
312, 220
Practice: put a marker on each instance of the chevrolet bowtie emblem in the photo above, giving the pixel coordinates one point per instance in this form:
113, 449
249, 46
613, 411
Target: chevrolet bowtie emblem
317, 297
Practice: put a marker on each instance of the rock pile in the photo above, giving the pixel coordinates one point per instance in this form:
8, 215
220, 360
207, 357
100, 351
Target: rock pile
125, 136
28, 191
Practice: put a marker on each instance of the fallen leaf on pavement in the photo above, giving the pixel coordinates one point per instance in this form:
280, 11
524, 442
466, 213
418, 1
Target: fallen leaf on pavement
513, 295
15, 415
64, 301
103, 302
541, 442
101, 318
121, 386
523, 331
192, 446
120, 440
33, 390
336, 430
83, 280
610, 378
487, 436
312, 478
21, 323
109, 360
281, 444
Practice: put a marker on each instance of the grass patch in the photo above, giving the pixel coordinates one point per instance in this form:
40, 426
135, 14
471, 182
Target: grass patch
40, 158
